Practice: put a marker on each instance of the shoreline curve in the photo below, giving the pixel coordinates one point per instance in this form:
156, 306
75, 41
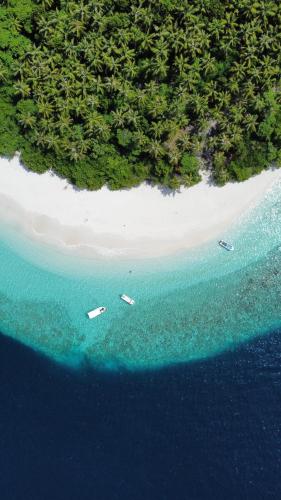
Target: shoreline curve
138, 223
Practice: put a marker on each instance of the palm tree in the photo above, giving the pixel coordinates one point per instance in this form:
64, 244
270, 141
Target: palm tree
77, 27
225, 142
132, 117
112, 84
118, 117
92, 101
130, 69
158, 68
217, 28
155, 149
208, 63
45, 108
181, 65
259, 103
140, 138
27, 120
46, 4
3, 73
185, 141
250, 122
157, 129
75, 153
23, 89
65, 121
174, 157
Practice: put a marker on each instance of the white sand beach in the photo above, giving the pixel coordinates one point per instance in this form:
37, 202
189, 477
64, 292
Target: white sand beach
141, 222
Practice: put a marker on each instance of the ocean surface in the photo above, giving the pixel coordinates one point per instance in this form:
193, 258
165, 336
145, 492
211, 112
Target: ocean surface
207, 430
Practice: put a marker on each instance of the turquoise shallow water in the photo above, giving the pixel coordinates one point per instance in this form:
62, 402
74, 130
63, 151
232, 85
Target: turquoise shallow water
188, 306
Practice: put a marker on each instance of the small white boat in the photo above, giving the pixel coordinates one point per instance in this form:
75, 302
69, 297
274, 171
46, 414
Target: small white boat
226, 246
96, 312
127, 299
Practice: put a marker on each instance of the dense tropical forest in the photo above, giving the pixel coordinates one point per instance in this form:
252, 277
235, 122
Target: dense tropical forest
120, 91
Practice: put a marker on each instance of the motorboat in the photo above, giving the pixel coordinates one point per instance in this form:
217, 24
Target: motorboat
226, 246
127, 299
96, 312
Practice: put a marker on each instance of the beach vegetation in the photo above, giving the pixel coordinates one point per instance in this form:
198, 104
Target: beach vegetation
118, 92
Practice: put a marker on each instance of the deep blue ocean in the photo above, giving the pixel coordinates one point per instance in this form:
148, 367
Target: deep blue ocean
204, 430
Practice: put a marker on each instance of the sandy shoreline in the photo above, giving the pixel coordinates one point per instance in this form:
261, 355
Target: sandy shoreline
141, 222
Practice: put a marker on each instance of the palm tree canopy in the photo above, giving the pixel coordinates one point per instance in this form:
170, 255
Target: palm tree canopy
100, 82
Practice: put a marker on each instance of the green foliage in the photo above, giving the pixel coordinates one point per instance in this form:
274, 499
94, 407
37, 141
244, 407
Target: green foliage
221, 173
241, 173
15, 16
124, 137
250, 159
10, 138
163, 171
189, 164
117, 92
189, 169
119, 173
86, 175
35, 160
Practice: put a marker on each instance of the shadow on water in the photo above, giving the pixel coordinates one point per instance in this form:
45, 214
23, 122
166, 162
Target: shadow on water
207, 430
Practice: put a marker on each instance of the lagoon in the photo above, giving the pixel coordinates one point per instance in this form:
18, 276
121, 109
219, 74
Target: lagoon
189, 306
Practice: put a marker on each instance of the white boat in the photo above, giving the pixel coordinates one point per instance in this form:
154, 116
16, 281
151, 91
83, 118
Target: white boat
226, 246
127, 299
96, 312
